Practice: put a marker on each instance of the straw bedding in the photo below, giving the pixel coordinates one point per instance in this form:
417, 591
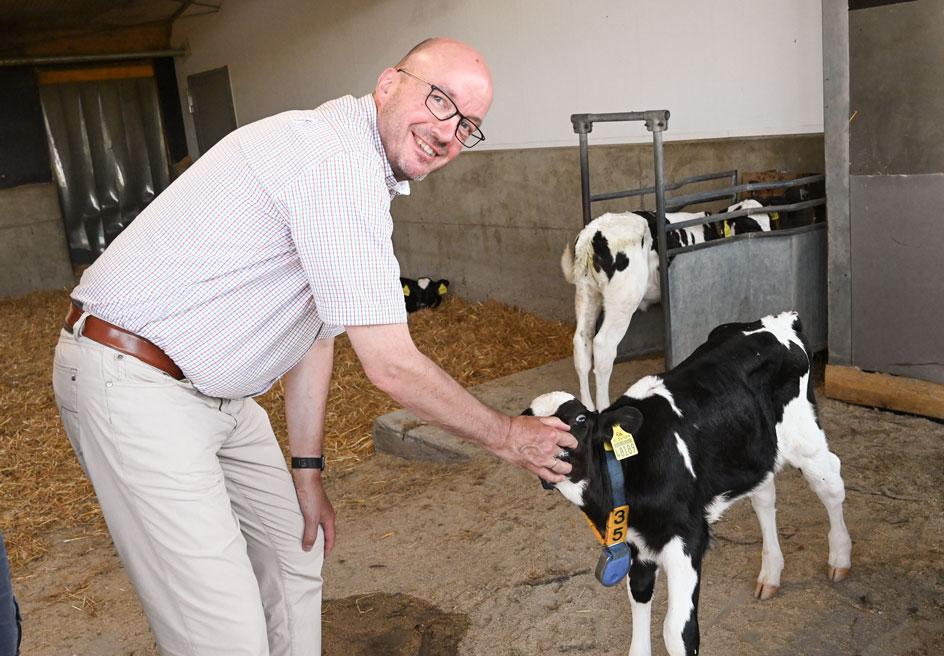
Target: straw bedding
43, 489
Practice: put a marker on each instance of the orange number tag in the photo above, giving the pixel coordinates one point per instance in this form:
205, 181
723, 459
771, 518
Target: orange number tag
593, 528
616, 525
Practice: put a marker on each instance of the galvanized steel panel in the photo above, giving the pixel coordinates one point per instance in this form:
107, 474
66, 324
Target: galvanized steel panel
745, 278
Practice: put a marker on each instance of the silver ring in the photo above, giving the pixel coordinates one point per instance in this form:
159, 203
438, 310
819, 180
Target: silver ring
562, 454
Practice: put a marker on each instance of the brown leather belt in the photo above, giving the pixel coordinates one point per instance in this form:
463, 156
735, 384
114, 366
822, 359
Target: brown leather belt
121, 340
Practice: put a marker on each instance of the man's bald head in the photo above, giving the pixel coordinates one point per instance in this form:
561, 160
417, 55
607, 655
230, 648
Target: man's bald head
408, 131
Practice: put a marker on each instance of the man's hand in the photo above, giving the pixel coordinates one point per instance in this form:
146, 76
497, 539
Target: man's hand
393, 364
316, 508
533, 443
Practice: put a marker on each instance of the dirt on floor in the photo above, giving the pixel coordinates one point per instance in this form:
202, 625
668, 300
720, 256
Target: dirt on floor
476, 559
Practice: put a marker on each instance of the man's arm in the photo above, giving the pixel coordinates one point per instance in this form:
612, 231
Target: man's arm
306, 396
393, 363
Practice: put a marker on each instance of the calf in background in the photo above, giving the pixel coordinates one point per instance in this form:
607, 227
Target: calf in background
755, 222
423, 292
716, 428
614, 265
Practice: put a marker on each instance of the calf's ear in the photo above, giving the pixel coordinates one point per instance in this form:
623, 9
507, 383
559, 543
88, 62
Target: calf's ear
628, 418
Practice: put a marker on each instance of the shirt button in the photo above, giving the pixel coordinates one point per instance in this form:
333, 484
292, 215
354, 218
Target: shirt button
108, 384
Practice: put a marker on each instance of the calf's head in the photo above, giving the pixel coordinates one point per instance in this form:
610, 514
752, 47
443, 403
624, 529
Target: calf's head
587, 485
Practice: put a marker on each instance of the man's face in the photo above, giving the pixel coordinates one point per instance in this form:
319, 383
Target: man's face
416, 142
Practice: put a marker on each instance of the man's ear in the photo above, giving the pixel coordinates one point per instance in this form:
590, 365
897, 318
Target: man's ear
628, 418
386, 83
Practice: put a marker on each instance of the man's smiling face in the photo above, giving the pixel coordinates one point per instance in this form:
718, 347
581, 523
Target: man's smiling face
416, 142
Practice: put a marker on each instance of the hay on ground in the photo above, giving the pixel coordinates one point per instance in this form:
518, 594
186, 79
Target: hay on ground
43, 489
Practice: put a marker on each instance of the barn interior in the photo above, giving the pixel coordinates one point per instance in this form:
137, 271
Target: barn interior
104, 104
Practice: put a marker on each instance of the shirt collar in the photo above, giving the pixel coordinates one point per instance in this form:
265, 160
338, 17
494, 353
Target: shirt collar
394, 186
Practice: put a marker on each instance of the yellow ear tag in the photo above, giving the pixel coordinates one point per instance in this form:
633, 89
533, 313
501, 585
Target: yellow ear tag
624, 446
406, 290
727, 229
442, 289
775, 216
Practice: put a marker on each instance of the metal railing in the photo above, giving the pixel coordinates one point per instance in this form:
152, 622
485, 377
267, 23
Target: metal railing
656, 122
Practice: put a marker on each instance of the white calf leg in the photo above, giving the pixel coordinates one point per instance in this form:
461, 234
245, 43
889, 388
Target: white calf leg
615, 323
640, 585
587, 302
764, 500
803, 445
682, 583
822, 473
642, 628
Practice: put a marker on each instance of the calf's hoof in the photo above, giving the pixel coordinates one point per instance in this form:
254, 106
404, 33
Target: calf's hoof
765, 591
837, 574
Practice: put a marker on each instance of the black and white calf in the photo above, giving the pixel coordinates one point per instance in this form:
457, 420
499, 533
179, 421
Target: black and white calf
423, 292
715, 429
610, 264
615, 267
754, 222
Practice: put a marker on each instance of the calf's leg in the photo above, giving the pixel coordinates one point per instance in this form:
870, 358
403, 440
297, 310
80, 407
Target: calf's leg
587, 301
641, 583
821, 471
615, 323
764, 499
804, 446
682, 573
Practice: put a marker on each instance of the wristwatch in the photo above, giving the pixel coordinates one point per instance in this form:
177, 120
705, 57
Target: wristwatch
308, 463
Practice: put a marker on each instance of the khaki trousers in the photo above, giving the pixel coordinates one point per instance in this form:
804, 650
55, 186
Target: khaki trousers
199, 503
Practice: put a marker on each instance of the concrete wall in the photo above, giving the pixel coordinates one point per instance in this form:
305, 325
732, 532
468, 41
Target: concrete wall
33, 252
897, 303
495, 222
895, 58
896, 188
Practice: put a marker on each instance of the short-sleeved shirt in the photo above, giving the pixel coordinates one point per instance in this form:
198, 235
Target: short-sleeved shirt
279, 235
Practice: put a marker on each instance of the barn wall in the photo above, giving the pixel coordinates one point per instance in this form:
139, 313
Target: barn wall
495, 220
33, 250
725, 68
896, 189
504, 239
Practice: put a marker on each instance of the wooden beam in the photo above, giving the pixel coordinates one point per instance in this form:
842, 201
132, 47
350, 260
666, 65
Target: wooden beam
880, 390
96, 73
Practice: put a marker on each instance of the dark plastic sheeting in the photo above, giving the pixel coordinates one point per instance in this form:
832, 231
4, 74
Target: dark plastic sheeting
108, 156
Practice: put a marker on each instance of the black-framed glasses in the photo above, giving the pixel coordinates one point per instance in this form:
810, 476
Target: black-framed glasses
444, 108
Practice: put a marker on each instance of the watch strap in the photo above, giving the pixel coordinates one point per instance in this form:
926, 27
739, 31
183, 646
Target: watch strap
308, 463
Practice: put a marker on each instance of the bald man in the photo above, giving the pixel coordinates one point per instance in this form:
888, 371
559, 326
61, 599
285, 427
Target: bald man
240, 273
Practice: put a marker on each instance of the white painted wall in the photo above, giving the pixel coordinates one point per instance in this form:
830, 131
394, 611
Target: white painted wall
724, 68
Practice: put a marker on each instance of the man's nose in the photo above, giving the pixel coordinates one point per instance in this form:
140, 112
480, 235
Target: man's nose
445, 130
